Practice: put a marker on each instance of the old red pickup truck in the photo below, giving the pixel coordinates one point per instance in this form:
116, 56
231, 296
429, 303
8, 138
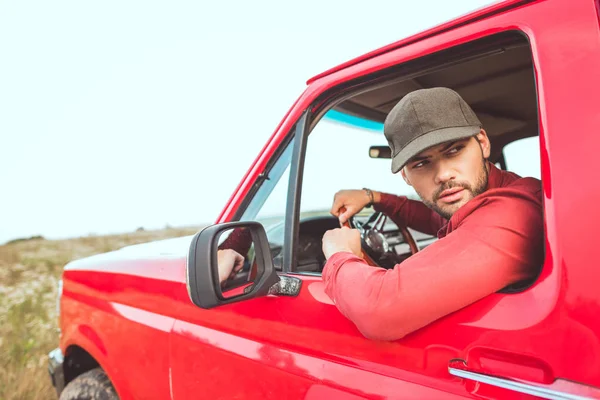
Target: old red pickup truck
152, 322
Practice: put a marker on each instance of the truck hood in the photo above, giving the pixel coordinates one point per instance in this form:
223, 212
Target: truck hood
175, 248
168, 247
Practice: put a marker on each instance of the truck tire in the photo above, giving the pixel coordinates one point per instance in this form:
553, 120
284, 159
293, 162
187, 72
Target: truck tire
91, 385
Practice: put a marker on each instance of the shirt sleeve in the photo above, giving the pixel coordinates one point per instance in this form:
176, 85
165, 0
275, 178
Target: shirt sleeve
412, 213
498, 244
239, 240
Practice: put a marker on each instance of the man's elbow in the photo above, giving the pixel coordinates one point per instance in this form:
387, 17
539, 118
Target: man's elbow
381, 328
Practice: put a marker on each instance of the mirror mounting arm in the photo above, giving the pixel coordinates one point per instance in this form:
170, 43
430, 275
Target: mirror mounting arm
287, 286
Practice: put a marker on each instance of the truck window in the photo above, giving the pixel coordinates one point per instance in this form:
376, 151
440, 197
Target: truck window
337, 157
523, 157
496, 78
268, 204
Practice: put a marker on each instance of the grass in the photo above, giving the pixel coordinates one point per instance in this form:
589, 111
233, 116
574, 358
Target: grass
29, 273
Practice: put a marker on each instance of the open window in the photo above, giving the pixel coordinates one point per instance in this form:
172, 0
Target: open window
494, 75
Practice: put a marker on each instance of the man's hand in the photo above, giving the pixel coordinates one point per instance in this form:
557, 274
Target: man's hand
353, 200
341, 239
230, 263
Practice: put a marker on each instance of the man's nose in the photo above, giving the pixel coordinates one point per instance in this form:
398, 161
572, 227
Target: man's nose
444, 173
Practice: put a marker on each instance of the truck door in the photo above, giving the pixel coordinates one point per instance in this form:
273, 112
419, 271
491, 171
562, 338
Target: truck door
286, 346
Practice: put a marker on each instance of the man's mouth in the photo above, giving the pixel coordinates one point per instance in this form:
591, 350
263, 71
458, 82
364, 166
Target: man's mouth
451, 195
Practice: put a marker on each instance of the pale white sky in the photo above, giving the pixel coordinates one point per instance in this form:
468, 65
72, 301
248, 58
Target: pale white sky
121, 114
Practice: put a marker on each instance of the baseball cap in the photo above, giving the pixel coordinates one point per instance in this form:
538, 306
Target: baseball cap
425, 118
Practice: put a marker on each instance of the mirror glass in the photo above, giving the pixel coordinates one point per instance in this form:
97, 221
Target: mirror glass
236, 262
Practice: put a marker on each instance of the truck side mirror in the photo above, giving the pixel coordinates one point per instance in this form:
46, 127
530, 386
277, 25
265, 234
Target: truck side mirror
256, 274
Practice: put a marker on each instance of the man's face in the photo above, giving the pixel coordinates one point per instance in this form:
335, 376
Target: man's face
447, 176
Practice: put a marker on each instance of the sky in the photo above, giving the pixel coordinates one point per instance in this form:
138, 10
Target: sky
116, 115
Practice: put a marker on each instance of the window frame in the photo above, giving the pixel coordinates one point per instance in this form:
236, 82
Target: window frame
264, 176
295, 142
264, 185
327, 100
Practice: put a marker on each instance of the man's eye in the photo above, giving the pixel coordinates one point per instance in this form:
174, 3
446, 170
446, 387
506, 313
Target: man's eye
420, 164
455, 150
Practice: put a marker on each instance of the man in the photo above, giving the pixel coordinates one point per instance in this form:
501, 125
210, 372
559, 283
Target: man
489, 223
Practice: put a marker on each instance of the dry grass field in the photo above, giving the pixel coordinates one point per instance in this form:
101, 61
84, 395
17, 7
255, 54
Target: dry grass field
29, 274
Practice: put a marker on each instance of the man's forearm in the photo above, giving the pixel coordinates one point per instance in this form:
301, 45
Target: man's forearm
390, 304
354, 297
406, 212
371, 298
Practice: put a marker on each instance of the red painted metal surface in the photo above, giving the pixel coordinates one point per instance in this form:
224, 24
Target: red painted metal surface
133, 314
119, 309
484, 12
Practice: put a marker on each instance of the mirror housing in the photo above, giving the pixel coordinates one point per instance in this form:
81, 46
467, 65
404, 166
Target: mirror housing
202, 274
380, 152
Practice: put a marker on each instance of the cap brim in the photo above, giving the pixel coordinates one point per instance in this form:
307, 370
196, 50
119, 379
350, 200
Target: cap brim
431, 139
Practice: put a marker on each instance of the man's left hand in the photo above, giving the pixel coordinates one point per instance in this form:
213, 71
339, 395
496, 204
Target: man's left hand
341, 239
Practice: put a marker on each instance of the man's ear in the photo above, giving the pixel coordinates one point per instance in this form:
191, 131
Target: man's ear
484, 143
405, 177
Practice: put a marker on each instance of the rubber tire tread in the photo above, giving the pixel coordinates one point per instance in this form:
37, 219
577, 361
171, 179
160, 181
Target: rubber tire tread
91, 385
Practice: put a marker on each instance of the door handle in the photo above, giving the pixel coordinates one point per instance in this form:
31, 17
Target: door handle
560, 389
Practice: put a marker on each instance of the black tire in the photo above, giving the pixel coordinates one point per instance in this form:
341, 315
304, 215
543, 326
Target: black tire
92, 385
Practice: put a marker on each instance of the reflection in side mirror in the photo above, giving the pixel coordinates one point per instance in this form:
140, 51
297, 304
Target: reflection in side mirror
228, 263
380, 152
236, 262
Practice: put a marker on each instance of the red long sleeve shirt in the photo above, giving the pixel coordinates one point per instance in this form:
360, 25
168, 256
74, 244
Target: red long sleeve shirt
493, 241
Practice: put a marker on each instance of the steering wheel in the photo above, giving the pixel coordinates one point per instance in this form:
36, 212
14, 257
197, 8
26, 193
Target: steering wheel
373, 242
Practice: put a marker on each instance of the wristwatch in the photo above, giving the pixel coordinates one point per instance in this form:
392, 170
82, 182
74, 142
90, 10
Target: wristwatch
370, 194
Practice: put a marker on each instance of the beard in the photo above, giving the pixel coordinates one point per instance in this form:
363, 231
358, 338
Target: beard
476, 189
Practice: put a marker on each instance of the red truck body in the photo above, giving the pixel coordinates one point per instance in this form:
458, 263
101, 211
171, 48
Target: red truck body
129, 311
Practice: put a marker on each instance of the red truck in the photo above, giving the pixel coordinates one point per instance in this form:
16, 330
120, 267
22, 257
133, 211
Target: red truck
152, 322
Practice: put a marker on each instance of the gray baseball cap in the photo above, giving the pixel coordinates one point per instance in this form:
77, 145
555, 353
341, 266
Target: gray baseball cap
426, 118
